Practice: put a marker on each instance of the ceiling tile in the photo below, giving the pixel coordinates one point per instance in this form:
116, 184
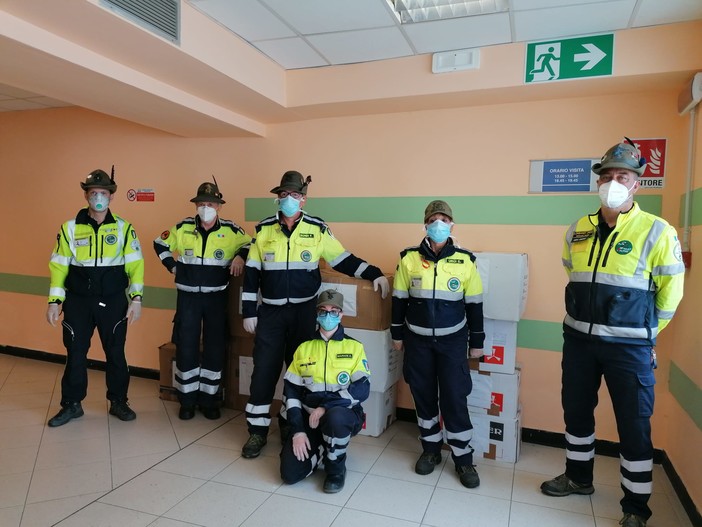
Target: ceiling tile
523, 5
248, 18
21, 104
48, 101
544, 24
361, 46
10, 92
658, 12
324, 16
459, 33
291, 53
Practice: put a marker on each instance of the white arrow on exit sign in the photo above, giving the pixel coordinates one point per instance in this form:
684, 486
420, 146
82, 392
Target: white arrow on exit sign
593, 56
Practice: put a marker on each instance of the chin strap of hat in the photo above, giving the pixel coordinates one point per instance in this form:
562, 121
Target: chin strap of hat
112, 175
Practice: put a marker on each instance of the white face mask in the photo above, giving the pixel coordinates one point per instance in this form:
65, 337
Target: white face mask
613, 194
99, 202
207, 214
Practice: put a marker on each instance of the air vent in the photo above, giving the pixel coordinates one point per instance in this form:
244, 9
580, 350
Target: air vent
158, 16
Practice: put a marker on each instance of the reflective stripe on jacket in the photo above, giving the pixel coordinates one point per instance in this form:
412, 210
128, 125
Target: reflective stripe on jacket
626, 287
285, 265
96, 260
437, 295
325, 374
204, 257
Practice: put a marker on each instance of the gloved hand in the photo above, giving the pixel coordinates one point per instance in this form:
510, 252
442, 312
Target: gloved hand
475, 353
250, 324
52, 314
134, 311
384, 285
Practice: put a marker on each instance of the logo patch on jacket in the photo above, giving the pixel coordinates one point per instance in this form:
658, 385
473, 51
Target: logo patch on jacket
82, 242
454, 260
344, 355
219, 254
453, 284
164, 235
110, 239
305, 256
581, 236
365, 365
623, 247
343, 378
306, 235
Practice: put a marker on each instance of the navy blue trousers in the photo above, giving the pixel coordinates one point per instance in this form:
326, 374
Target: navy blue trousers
280, 331
81, 315
436, 370
628, 373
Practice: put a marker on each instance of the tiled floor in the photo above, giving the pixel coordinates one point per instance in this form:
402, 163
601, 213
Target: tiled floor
163, 472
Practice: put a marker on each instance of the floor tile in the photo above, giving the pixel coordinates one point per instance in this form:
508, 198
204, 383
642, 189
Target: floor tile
153, 491
17, 460
495, 481
391, 497
262, 473
291, 512
352, 518
527, 490
48, 513
200, 461
103, 515
526, 515
129, 467
311, 488
74, 480
449, 508
399, 464
13, 489
11, 516
74, 452
216, 504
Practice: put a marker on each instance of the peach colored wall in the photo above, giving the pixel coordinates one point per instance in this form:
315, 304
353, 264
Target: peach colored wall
467, 151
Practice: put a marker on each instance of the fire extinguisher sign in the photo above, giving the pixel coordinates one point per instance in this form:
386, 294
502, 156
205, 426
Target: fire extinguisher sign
654, 150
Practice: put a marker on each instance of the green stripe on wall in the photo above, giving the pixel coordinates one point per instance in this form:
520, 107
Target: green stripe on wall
687, 393
695, 206
479, 210
154, 297
540, 335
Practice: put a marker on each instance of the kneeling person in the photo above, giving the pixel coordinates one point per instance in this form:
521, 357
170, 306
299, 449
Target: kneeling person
325, 385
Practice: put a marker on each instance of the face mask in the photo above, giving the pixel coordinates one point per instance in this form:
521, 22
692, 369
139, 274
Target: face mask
207, 214
289, 206
438, 231
99, 202
328, 321
613, 194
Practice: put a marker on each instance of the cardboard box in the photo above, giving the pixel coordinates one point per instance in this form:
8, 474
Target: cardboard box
495, 394
385, 363
496, 438
364, 308
505, 279
500, 346
380, 411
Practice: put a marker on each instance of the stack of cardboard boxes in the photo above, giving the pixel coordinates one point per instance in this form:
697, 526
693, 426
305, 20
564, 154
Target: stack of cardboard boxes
494, 402
367, 319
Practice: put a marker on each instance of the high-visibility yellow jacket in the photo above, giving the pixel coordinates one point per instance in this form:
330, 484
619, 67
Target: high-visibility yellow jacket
285, 265
204, 257
437, 295
325, 374
96, 260
626, 287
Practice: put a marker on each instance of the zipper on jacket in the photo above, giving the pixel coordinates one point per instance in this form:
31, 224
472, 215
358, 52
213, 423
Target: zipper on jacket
611, 244
594, 244
594, 276
433, 303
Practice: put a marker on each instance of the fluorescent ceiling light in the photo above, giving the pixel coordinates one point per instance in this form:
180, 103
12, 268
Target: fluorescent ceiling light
409, 11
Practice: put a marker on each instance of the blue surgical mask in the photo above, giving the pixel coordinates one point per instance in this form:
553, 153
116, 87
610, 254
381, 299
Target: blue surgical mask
438, 231
289, 206
328, 321
99, 202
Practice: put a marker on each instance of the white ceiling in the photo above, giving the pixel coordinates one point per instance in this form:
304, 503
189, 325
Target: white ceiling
315, 33
296, 34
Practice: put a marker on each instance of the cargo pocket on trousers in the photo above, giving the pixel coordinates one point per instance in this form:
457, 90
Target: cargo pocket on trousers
646, 382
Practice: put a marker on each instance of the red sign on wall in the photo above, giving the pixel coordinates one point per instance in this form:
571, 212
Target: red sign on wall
654, 150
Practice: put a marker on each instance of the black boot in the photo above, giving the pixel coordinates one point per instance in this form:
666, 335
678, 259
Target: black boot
69, 410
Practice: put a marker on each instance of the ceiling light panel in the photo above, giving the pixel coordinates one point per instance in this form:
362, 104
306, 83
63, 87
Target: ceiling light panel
324, 16
411, 11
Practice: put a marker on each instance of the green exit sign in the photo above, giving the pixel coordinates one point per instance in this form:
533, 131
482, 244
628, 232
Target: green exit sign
569, 58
